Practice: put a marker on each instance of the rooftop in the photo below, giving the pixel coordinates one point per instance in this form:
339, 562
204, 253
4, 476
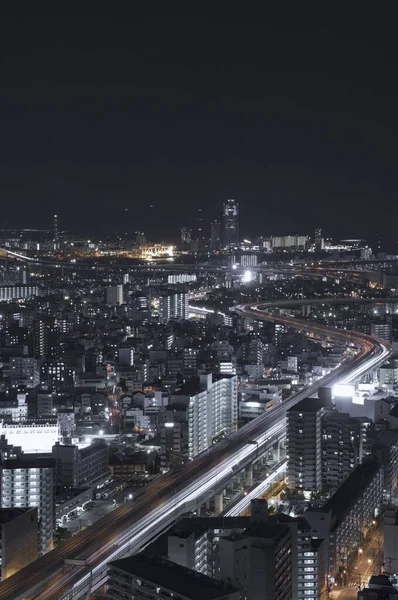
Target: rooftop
173, 577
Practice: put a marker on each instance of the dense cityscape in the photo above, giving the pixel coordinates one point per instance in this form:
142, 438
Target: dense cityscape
205, 418
198, 301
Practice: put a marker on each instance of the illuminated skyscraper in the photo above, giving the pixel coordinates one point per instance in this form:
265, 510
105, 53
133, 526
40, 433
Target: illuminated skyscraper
231, 223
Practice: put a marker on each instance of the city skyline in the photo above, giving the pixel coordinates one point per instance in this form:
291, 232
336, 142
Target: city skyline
255, 114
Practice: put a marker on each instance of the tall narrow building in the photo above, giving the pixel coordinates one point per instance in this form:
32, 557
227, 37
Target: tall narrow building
304, 445
231, 223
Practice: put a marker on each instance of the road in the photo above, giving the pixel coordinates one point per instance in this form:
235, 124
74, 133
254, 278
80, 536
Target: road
130, 527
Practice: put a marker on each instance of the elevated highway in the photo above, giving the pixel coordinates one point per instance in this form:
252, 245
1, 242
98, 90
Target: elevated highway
130, 527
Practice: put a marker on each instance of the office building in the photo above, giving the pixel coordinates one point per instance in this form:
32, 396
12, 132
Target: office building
126, 357
181, 278
173, 306
115, 295
81, 467
259, 561
231, 224
55, 375
141, 577
19, 534
343, 520
304, 445
28, 481
215, 235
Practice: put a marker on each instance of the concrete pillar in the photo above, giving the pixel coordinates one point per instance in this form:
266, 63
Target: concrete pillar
249, 475
219, 503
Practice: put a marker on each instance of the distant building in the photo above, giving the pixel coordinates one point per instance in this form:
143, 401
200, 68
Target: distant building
17, 292
19, 533
231, 224
382, 331
215, 235
297, 242
186, 235
143, 577
378, 588
115, 295
173, 306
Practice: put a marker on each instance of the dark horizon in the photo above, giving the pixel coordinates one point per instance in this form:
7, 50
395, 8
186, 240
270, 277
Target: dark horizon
291, 112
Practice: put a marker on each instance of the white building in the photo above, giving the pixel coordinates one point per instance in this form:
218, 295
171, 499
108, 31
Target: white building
29, 481
206, 411
33, 436
173, 306
181, 278
17, 292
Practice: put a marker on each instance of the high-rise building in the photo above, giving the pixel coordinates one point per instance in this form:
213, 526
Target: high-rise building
46, 338
318, 240
56, 233
28, 481
383, 331
186, 235
304, 445
204, 409
259, 561
173, 306
215, 235
231, 223
115, 295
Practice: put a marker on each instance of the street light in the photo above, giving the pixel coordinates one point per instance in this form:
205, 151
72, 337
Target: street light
360, 550
369, 561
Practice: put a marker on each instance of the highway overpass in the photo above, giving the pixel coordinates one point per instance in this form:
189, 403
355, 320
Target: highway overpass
79, 565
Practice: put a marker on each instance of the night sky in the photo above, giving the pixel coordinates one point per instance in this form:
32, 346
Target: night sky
289, 109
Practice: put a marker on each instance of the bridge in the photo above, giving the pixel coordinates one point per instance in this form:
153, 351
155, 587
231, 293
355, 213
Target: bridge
79, 566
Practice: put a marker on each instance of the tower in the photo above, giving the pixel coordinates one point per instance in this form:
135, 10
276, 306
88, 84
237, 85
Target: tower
231, 223
318, 240
55, 228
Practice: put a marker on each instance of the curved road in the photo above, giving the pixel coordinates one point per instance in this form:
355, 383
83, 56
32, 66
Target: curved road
131, 526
